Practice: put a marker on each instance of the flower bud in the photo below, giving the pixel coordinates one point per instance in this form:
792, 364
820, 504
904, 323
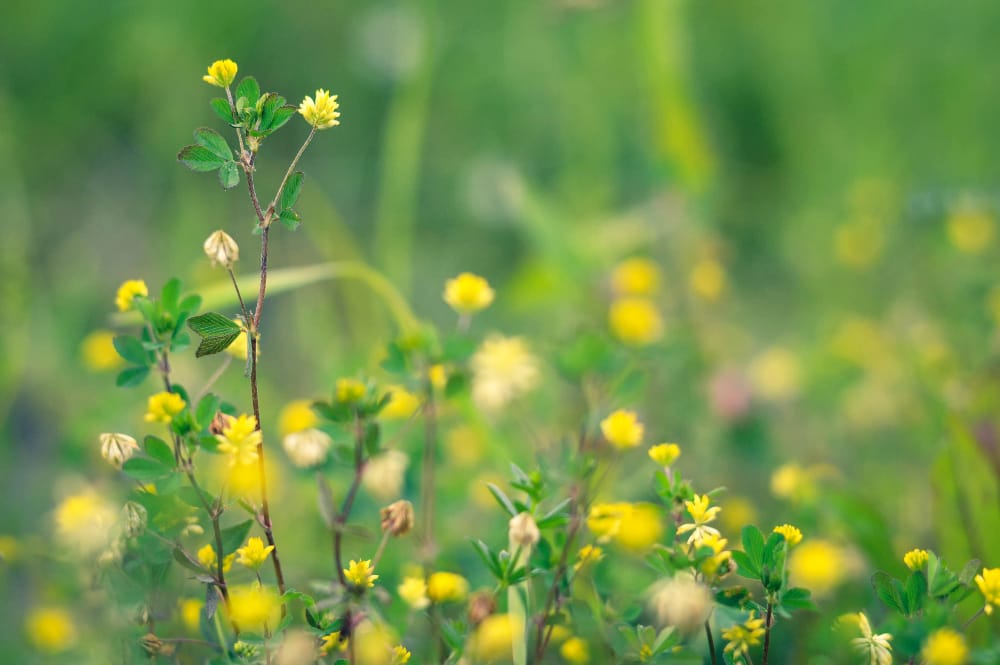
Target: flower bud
523, 531
397, 518
135, 518
219, 423
116, 448
481, 605
221, 249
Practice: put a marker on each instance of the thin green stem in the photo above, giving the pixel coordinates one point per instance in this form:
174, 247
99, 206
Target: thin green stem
711, 642
427, 494
288, 174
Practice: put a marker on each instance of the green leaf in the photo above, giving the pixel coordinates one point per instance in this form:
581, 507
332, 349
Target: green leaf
456, 385
290, 219
212, 140
190, 305
131, 376
217, 332
969, 571
281, 115
229, 175
222, 109
159, 450
746, 567
753, 545
170, 294
207, 408
290, 194
272, 102
212, 345
797, 599
189, 563
916, 592
887, 589
144, 469
502, 499
490, 559
131, 349
234, 536
249, 89
199, 158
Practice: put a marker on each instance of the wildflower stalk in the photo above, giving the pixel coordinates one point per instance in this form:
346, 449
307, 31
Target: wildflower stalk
543, 634
767, 630
427, 475
711, 642
345, 510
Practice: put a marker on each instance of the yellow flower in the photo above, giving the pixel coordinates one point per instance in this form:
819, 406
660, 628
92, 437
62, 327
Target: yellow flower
875, 647
970, 229
330, 642
321, 113
989, 585
492, 639
915, 559
361, 574
636, 277
622, 429
221, 73
402, 404
714, 564
605, 519
503, 368
413, 591
443, 587
239, 439
468, 293
253, 554
665, 454
588, 555
190, 612
163, 406
438, 376
792, 535
84, 521
296, 417
127, 293
575, 651
210, 560
702, 514
775, 374
742, 636
640, 528
791, 481
98, 351
708, 279
859, 243
50, 629
945, 647
253, 607
818, 565
737, 512
400, 655
350, 390
635, 321
9, 549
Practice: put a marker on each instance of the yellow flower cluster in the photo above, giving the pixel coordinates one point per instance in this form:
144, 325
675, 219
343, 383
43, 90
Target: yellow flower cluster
50, 629
945, 647
239, 439
221, 73
322, 112
127, 293
361, 574
254, 607
208, 558
98, 351
468, 293
792, 535
989, 585
350, 390
622, 429
634, 526
742, 636
636, 276
443, 587
702, 514
635, 321
665, 454
253, 554
163, 407
588, 555
915, 559
413, 591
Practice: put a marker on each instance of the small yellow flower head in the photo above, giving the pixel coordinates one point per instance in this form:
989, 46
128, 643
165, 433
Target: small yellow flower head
791, 481
98, 351
468, 293
665, 454
397, 518
575, 651
588, 555
636, 277
163, 407
444, 587
413, 591
402, 404
492, 639
876, 647
708, 280
9, 549
522, 531
296, 417
350, 390
253, 554
84, 522
970, 229
307, 448
127, 293
210, 560
742, 636
605, 519
640, 528
254, 607
503, 369
221, 73
622, 429
321, 113
361, 574
116, 448
702, 514
190, 613
718, 563
635, 321
400, 655
915, 559
239, 439
50, 629
221, 249
945, 647
989, 585
818, 565
792, 535
438, 376
330, 642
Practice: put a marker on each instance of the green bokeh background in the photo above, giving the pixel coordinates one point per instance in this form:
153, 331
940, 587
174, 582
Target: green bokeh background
538, 143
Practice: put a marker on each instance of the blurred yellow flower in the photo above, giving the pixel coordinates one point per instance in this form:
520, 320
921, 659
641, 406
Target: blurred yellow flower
575, 651
708, 279
330, 642
791, 481
588, 555
465, 445
742, 636
50, 629
443, 587
970, 229
640, 528
702, 515
438, 376
945, 647
84, 521
775, 374
127, 293
711, 566
622, 429
468, 293
402, 404
361, 574
492, 640
400, 655
989, 585
253, 554
605, 519
322, 112
9, 549
503, 368
413, 591
665, 454
98, 351
737, 512
163, 406
636, 276
792, 535
190, 613
818, 565
254, 607
915, 559
297, 416
239, 439
350, 390
635, 321
221, 73
208, 558
859, 244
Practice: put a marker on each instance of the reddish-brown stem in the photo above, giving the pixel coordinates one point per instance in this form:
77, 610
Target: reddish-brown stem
345, 510
767, 631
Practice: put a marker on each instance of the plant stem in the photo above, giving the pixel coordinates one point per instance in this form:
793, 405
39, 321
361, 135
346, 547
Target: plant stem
711, 642
973, 617
767, 630
345, 509
542, 636
427, 476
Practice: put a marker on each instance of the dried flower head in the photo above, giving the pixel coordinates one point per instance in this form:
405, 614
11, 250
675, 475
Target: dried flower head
397, 518
116, 448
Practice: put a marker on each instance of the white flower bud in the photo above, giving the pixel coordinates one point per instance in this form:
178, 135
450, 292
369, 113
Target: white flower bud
116, 448
134, 518
221, 249
523, 532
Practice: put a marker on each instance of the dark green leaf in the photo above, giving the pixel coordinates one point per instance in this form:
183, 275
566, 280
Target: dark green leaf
199, 158
916, 592
144, 469
290, 194
456, 385
222, 109
281, 115
213, 345
189, 563
797, 599
753, 545
290, 219
229, 175
131, 376
131, 349
887, 591
746, 567
159, 450
248, 89
234, 536
502, 499
207, 408
212, 140
217, 332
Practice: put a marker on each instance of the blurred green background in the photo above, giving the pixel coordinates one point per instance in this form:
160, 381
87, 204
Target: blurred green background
836, 159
